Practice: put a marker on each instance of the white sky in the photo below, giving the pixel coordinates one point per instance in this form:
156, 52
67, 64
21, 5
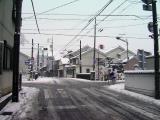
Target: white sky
131, 26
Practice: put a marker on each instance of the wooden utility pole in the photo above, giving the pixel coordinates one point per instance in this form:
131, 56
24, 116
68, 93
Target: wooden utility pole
38, 59
16, 49
94, 51
80, 58
52, 56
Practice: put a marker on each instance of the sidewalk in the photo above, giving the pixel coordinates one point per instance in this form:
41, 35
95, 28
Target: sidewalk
4, 100
26, 97
120, 89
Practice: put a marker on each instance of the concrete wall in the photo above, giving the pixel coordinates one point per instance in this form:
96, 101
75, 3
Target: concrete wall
6, 82
140, 81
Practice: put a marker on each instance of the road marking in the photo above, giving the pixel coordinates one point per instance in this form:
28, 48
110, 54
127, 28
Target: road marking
62, 93
69, 107
46, 94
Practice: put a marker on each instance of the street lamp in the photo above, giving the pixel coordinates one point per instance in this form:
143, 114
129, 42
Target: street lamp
126, 41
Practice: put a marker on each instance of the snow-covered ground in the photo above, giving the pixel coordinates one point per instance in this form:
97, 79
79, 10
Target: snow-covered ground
120, 88
26, 97
44, 80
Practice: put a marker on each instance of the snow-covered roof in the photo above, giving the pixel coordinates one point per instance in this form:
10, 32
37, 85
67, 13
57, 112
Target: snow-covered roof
65, 60
113, 49
131, 57
89, 51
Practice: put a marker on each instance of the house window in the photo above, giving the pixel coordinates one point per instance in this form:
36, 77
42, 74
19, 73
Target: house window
87, 70
118, 56
7, 57
1, 56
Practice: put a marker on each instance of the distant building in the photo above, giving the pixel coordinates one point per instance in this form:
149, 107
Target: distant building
141, 54
23, 63
132, 64
150, 63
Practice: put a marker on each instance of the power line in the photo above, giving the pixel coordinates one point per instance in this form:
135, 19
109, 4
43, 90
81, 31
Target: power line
52, 9
131, 25
76, 19
35, 16
69, 14
85, 35
100, 11
113, 11
109, 15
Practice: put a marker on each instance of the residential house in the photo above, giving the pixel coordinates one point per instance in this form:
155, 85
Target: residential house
119, 54
63, 62
86, 60
7, 28
132, 64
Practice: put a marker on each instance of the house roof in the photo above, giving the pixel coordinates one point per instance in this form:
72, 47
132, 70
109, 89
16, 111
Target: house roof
75, 53
22, 54
89, 50
112, 50
65, 61
125, 51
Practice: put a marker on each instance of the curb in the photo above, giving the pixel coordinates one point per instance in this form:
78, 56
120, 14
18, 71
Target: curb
4, 100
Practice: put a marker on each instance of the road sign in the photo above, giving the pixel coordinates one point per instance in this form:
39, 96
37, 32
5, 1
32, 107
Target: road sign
147, 1
150, 27
27, 62
147, 7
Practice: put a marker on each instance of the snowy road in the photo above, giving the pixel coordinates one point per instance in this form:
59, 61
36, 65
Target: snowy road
69, 99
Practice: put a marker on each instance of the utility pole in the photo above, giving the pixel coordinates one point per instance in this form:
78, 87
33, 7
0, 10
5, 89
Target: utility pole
52, 55
98, 63
16, 48
80, 57
38, 59
156, 50
94, 52
32, 59
150, 5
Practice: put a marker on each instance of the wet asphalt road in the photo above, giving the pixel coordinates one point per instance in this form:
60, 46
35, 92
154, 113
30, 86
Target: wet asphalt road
68, 99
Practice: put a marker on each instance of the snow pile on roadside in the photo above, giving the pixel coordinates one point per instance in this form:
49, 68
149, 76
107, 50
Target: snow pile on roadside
47, 80
26, 98
120, 88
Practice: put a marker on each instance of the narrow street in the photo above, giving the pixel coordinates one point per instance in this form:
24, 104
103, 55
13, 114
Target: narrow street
69, 99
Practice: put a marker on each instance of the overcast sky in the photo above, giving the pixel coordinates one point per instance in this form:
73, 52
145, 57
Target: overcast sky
66, 21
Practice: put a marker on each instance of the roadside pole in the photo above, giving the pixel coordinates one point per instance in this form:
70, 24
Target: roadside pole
156, 50
16, 49
80, 59
32, 59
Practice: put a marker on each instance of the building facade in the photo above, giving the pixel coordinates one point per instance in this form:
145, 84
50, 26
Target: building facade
7, 28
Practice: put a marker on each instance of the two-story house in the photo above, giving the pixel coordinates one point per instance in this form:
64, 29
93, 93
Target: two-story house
119, 54
87, 61
7, 28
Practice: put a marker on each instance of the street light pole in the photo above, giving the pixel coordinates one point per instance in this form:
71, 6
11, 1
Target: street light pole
126, 41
